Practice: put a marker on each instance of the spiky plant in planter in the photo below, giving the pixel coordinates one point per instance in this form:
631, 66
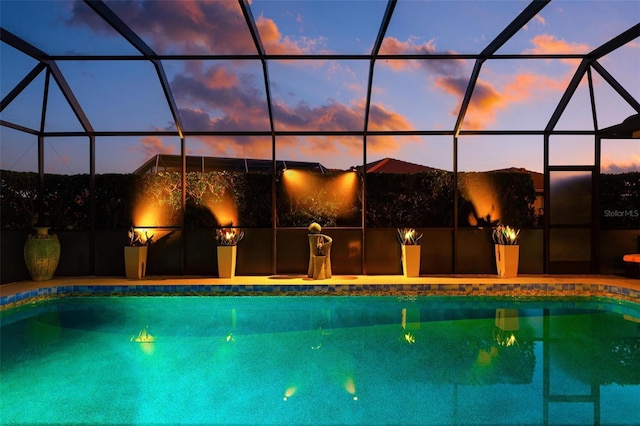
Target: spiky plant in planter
507, 251
227, 240
139, 238
135, 254
505, 235
228, 236
409, 243
409, 236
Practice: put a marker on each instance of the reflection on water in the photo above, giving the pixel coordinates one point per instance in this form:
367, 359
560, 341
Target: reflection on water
315, 360
507, 324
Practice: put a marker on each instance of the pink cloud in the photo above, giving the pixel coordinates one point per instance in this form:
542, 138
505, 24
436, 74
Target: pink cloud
275, 43
229, 93
197, 27
449, 67
609, 165
487, 100
391, 46
152, 145
186, 26
229, 98
546, 43
540, 20
336, 116
272, 39
332, 116
234, 146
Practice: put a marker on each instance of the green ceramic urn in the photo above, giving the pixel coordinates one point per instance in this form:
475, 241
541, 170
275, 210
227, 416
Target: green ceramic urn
41, 254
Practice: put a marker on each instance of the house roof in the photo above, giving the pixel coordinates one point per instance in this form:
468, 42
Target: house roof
392, 165
538, 178
629, 128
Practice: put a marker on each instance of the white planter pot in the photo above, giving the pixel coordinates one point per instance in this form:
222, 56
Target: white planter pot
135, 262
507, 258
227, 261
507, 319
411, 260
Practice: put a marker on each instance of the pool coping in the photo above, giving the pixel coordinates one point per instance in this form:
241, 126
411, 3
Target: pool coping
616, 287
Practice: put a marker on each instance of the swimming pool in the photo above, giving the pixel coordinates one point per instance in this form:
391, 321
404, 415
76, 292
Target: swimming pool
321, 360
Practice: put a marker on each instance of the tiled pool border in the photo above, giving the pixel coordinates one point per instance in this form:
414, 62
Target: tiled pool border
515, 290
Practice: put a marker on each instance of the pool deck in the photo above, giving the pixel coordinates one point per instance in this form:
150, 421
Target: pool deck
473, 285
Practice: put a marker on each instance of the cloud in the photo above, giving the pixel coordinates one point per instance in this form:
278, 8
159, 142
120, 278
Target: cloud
549, 44
275, 43
196, 27
186, 26
232, 146
230, 93
152, 145
483, 106
393, 46
338, 117
331, 116
272, 39
452, 77
229, 97
488, 100
383, 119
241, 106
539, 19
611, 166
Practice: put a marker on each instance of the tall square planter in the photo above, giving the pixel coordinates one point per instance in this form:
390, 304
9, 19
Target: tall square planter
411, 260
227, 261
135, 261
507, 258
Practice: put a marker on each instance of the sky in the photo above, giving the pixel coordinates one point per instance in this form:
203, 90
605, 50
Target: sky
309, 95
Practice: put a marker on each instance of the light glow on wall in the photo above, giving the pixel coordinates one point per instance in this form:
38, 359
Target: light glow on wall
145, 215
224, 210
478, 188
307, 189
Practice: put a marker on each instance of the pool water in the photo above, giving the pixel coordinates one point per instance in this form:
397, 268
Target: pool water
321, 360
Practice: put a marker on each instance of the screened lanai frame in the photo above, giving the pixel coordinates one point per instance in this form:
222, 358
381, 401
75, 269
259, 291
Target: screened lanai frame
50, 64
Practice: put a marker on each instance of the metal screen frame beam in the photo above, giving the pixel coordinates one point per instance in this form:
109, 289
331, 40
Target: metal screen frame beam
255, 36
125, 31
516, 25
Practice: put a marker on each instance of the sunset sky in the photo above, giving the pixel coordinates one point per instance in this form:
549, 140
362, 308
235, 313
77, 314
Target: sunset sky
309, 95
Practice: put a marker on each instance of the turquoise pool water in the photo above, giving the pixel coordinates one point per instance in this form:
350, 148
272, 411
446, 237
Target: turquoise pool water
320, 360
